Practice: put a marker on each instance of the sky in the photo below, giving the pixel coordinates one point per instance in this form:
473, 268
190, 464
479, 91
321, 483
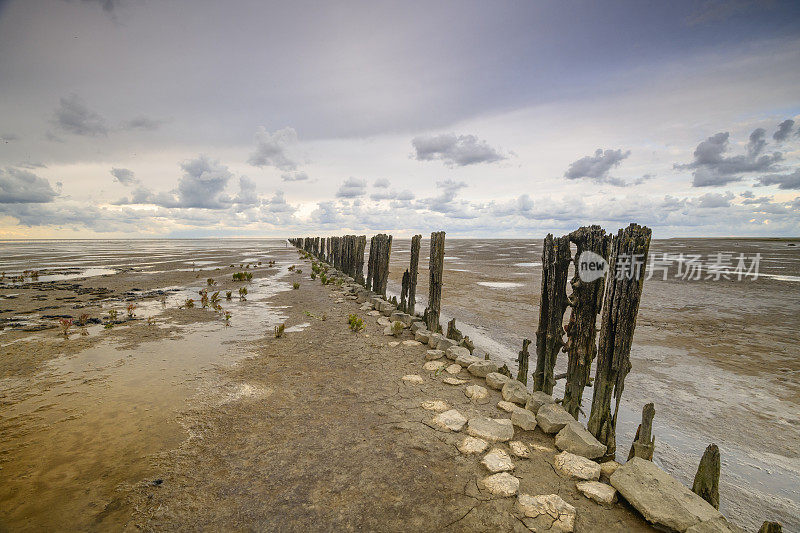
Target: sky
507, 119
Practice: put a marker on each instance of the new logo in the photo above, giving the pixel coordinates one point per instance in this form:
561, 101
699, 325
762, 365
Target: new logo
591, 266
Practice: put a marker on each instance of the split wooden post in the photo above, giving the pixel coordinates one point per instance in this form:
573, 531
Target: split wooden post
371, 264
412, 270
435, 268
644, 443
620, 306
404, 291
361, 244
585, 302
522, 362
706, 481
553, 303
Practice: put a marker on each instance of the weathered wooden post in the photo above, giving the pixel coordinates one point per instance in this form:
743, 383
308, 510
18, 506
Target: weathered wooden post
371, 264
361, 244
644, 444
553, 303
706, 481
453, 333
412, 270
404, 291
585, 301
435, 267
620, 306
522, 362
322, 249
383, 250
771, 527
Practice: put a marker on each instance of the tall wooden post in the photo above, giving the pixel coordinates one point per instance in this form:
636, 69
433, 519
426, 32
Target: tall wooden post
620, 306
553, 303
383, 250
361, 244
585, 301
371, 264
435, 267
522, 362
706, 481
412, 270
404, 291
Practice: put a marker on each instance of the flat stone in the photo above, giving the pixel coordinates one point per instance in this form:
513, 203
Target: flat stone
497, 461
659, 497
514, 391
476, 392
502, 484
717, 525
575, 439
491, 429
552, 418
450, 420
519, 449
608, 468
453, 369
508, 407
435, 405
413, 378
383, 321
417, 325
523, 419
374, 313
421, 335
454, 352
445, 343
482, 368
537, 400
433, 339
495, 380
466, 360
432, 355
576, 466
547, 513
410, 342
388, 331
433, 366
598, 492
365, 307
454, 381
405, 318
542, 448
471, 445
394, 343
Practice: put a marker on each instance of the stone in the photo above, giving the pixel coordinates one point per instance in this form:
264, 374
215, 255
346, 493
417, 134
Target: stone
374, 313
435, 405
454, 352
413, 378
395, 316
575, 439
546, 513
466, 360
365, 307
394, 343
410, 342
433, 339
421, 335
454, 381
497, 461
659, 497
576, 466
718, 525
502, 484
433, 366
445, 343
552, 418
491, 429
598, 492
432, 355
508, 407
519, 449
476, 392
495, 380
514, 391
537, 400
405, 318
388, 331
450, 420
471, 445
542, 448
523, 419
453, 369
482, 368
608, 468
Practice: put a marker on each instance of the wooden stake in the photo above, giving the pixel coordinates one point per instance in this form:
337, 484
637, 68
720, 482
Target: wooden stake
644, 444
522, 362
435, 267
412, 270
706, 481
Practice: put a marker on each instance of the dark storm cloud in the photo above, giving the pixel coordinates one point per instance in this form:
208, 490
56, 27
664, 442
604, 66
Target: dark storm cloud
23, 187
352, 188
596, 167
790, 181
124, 176
271, 149
73, 116
294, 176
454, 150
712, 168
784, 130
142, 123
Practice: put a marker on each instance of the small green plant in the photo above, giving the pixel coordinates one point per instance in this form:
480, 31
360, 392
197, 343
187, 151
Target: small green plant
215, 299
189, 303
313, 275
203, 298
211, 282
242, 293
227, 317
151, 321
299, 271
228, 295
279, 330
112, 315
397, 328
356, 324
83, 319
291, 268
66, 325
323, 278
295, 285
108, 326
131, 308
242, 276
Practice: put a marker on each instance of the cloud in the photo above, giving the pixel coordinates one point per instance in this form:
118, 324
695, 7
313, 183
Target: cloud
784, 130
385, 194
596, 167
712, 168
271, 149
142, 123
455, 150
714, 200
326, 213
73, 116
294, 176
381, 183
124, 176
247, 193
790, 181
23, 187
31, 164
8, 137
445, 202
352, 188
